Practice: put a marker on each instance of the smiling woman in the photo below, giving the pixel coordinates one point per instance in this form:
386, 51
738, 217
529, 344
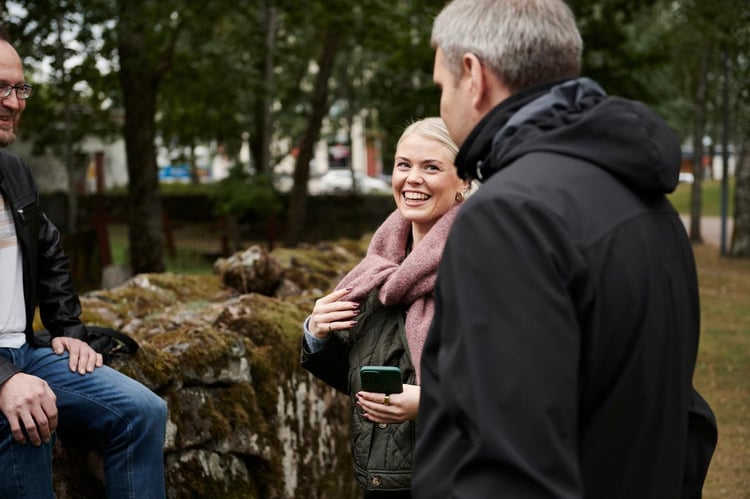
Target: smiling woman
425, 183
380, 311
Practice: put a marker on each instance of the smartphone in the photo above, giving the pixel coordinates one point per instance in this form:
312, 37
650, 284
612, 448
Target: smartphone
381, 379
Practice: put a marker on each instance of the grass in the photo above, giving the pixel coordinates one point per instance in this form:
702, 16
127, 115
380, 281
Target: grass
195, 250
723, 369
711, 198
722, 373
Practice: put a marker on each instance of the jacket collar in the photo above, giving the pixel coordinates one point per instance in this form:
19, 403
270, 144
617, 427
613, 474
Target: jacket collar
477, 146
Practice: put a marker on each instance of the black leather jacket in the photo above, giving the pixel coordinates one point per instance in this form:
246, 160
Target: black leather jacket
46, 269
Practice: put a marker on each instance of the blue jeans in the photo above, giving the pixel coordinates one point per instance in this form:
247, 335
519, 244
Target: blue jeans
124, 417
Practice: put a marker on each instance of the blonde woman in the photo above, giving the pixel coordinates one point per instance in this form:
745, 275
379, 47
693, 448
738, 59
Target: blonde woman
380, 312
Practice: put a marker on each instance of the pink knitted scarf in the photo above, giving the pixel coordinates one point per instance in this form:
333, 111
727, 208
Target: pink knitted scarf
408, 279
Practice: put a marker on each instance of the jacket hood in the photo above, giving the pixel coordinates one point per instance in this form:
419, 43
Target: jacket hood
576, 118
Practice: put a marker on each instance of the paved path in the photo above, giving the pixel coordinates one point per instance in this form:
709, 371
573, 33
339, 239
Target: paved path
711, 229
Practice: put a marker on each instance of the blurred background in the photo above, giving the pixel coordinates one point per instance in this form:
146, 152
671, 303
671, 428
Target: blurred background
149, 117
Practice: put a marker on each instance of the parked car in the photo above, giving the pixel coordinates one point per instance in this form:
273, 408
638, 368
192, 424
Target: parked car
338, 181
686, 177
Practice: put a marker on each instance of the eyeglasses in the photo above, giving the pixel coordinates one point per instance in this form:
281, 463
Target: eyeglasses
23, 91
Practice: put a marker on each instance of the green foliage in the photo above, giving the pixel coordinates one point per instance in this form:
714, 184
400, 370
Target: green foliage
222, 69
247, 195
616, 52
388, 71
206, 96
71, 94
181, 189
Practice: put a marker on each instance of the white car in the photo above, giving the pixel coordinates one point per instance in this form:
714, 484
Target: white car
686, 177
339, 181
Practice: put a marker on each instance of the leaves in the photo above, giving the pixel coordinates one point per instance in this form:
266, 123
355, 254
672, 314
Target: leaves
222, 68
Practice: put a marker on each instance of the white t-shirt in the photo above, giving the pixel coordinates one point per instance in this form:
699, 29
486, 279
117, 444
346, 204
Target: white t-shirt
12, 306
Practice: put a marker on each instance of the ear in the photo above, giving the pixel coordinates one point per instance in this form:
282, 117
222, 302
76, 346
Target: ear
475, 71
465, 186
487, 89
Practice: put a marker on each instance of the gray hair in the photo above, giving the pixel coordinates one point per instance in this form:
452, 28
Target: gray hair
431, 128
523, 42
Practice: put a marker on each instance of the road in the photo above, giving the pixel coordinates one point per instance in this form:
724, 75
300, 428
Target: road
711, 229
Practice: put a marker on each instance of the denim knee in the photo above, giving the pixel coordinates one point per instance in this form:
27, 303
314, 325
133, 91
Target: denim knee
152, 410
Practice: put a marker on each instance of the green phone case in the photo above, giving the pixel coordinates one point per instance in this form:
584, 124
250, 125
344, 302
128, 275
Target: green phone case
381, 379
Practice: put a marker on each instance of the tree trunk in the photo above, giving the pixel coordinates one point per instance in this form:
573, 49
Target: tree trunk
64, 79
699, 127
320, 105
195, 178
260, 140
139, 81
264, 158
740, 246
724, 152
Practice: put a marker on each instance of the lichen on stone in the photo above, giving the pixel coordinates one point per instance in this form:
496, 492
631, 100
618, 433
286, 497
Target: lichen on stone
245, 420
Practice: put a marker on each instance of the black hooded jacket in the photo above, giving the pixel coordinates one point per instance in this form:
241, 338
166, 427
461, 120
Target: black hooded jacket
561, 354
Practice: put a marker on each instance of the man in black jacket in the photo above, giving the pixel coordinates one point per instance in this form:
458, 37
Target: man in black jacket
64, 389
561, 354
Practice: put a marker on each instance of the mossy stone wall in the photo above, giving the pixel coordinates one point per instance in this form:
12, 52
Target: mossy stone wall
245, 421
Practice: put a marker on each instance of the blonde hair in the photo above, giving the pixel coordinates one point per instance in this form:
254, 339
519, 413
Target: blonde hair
523, 42
430, 128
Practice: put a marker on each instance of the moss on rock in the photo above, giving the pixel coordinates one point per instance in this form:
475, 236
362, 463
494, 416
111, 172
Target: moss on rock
244, 419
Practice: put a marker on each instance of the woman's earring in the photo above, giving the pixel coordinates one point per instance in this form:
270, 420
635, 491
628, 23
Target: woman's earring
459, 196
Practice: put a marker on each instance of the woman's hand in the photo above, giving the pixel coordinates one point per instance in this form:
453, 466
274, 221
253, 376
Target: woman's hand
331, 313
400, 407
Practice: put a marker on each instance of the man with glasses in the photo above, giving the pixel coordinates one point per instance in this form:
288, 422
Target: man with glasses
9, 114
64, 389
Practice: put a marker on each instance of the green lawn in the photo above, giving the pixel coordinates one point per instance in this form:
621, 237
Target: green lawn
711, 198
723, 369
196, 249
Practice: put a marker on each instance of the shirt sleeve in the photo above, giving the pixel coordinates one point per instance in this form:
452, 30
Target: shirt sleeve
313, 343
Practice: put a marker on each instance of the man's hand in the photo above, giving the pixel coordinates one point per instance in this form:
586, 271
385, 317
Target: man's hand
29, 404
83, 358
